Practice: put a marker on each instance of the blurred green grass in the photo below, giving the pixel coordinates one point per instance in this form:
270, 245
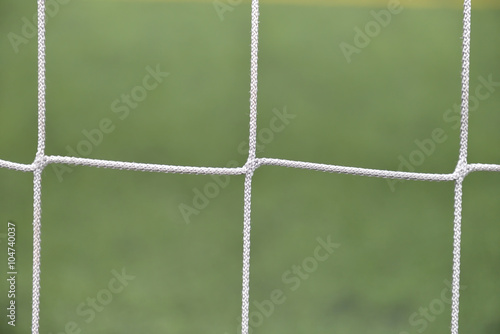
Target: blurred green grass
396, 246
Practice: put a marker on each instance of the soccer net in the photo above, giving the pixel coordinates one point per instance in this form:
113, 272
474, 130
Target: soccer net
41, 161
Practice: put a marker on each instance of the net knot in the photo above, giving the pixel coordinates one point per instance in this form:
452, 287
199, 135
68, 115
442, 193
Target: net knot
40, 162
251, 165
462, 170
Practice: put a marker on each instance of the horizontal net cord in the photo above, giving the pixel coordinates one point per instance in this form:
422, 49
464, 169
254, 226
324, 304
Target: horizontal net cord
132, 166
17, 166
483, 168
387, 174
159, 168
146, 167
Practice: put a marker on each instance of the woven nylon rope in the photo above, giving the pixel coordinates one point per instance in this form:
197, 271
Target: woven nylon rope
250, 165
461, 169
38, 168
41, 161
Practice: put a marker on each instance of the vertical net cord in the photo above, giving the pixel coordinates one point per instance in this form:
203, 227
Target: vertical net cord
250, 167
462, 168
39, 165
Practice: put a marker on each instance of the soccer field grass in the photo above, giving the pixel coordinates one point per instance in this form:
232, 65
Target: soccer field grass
161, 82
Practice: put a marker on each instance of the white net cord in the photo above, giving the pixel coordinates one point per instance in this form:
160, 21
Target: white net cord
41, 161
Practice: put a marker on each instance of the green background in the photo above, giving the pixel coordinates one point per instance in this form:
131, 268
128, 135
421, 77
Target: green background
395, 241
